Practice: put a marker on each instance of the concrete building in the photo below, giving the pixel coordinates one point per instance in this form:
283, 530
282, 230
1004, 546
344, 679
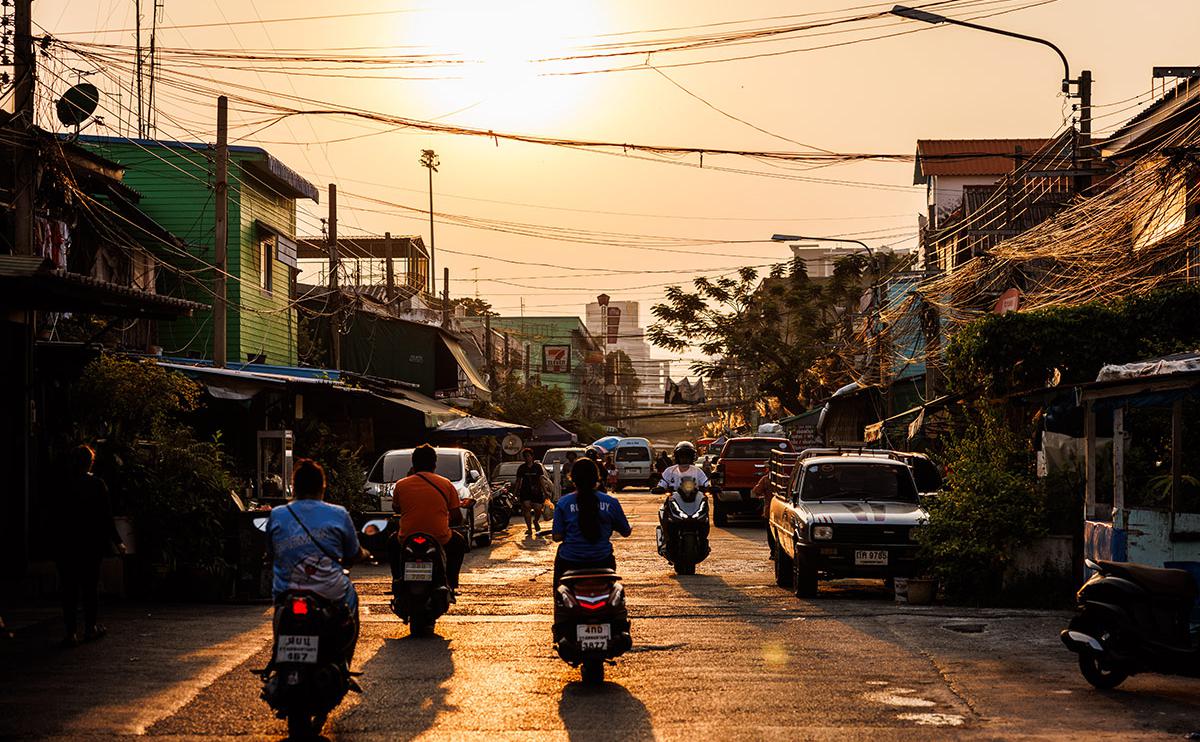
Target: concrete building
625, 333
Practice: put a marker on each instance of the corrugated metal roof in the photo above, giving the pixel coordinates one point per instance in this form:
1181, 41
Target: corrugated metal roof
971, 156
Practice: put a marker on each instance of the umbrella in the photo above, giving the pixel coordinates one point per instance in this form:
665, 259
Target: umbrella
478, 427
608, 442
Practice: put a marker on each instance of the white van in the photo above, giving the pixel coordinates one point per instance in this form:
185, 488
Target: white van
634, 461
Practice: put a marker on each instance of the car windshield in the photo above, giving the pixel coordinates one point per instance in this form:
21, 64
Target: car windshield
633, 453
756, 449
507, 470
558, 456
395, 466
860, 482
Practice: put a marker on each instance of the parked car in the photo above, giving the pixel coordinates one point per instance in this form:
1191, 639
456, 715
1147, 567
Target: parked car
458, 465
741, 463
845, 514
506, 473
634, 464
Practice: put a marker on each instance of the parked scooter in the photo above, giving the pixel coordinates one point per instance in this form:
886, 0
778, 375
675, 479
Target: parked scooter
591, 623
309, 672
1132, 619
502, 506
682, 532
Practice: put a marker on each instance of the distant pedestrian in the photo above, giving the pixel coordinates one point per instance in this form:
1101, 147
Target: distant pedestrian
531, 491
89, 536
662, 463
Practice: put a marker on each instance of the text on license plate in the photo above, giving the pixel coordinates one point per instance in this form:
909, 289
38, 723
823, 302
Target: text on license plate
418, 571
297, 649
593, 635
871, 558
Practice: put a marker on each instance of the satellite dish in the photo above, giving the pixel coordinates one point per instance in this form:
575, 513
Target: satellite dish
77, 104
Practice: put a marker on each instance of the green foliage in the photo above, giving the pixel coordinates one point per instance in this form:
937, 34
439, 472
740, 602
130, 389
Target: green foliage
990, 508
345, 472
588, 431
531, 405
175, 487
786, 331
1022, 350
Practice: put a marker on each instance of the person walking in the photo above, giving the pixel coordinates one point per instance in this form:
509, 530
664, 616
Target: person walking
90, 536
531, 491
584, 523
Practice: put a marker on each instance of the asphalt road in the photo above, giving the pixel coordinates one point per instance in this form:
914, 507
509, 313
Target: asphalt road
722, 655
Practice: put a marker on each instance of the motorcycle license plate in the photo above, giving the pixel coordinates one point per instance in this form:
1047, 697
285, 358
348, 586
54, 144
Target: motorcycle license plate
302, 649
593, 635
870, 558
418, 571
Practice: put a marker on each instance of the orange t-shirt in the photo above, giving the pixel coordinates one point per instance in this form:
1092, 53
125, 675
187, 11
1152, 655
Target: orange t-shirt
423, 501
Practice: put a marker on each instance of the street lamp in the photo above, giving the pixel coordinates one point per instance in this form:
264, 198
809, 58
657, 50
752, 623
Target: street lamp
1083, 84
915, 14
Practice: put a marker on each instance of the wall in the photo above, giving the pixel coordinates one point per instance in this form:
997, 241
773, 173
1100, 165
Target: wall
267, 322
945, 194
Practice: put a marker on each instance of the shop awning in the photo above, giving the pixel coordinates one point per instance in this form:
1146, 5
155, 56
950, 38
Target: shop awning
482, 390
435, 412
30, 282
479, 427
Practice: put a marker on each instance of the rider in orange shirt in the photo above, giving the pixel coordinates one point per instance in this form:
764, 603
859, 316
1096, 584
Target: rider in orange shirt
428, 503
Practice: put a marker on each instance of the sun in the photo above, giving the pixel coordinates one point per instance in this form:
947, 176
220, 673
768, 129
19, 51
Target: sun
499, 45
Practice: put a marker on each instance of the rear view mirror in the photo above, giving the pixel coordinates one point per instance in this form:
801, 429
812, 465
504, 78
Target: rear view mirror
926, 474
473, 476
260, 523
374, 526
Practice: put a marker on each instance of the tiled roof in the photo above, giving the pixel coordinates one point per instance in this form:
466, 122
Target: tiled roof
970, 156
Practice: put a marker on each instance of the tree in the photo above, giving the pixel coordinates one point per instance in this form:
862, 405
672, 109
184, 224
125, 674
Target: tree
531, 405
791, 336
475, 307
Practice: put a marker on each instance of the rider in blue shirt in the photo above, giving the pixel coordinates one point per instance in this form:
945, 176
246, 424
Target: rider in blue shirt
584, 522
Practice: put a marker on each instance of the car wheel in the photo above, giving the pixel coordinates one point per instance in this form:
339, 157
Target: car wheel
783, 567
804, 577
720, 514
470, 529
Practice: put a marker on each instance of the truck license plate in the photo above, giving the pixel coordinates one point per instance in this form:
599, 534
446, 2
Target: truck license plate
418, 571
871, 558
301, 649
593, 635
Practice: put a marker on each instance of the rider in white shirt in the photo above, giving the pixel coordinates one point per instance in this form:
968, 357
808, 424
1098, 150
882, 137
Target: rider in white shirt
684, 467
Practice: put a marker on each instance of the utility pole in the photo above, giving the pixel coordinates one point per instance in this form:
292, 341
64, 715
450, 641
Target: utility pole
221, 232
25, 161
389, 270
488, 350
335, 334
137, 18
429, 160
1083, 147
445, 297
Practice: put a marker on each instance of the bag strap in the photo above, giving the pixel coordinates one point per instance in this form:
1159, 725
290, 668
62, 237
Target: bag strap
308, 533
438, 489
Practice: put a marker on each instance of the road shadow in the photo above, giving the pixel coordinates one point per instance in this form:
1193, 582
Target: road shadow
405, 685
603, 712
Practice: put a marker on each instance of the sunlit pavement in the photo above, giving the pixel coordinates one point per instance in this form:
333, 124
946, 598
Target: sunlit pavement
720, 655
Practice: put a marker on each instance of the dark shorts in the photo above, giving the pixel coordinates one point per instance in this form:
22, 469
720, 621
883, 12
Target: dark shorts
532, 497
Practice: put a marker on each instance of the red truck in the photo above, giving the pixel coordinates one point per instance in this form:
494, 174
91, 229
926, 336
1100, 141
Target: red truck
741, 464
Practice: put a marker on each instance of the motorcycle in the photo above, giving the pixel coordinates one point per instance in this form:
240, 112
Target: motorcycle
1132, 619
502, 506
682, 532
309, 672
591, 622
421, 593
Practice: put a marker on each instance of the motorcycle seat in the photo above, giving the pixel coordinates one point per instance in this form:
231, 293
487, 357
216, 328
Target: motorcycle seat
589, 574
1165, 582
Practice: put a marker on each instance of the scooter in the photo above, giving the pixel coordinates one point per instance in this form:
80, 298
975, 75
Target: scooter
309, 671
421, 593
502, 506
682, 533
591, 622
1133, 619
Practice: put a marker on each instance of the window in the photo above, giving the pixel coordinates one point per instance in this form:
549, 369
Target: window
266, 262
633, 453
760, 448
396, 466
857, 482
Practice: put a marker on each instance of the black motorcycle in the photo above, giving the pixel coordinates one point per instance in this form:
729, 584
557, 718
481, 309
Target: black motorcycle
309, 672
502, 506
682, 533
591, 623
1132, 619
421, 593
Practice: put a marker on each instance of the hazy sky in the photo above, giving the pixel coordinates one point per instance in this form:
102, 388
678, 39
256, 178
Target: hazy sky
876, 96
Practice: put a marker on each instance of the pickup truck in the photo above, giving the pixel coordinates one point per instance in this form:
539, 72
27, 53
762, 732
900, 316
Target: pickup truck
740, 465
846, 514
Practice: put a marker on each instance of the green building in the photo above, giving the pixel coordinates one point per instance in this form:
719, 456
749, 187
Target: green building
559, 352
176, 183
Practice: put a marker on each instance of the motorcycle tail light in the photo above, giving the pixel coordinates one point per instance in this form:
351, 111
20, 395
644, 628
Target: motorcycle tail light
592, 602
299, 607
418, 539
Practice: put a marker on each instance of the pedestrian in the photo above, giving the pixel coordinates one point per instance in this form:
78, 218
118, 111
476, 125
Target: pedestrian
89, 536
531, 490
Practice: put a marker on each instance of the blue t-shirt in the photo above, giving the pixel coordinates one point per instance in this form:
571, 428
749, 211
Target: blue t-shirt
298, 563
574, 546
